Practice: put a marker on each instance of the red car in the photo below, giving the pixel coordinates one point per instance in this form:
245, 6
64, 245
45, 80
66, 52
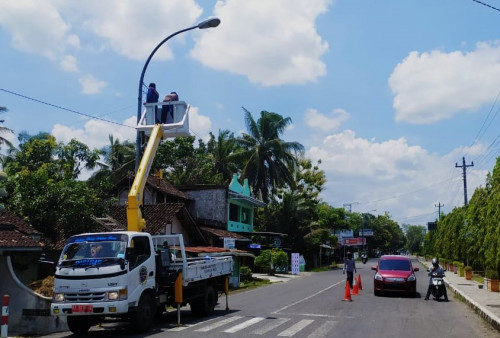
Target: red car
394, 274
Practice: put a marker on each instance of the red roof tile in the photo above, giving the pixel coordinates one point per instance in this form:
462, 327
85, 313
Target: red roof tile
16, 233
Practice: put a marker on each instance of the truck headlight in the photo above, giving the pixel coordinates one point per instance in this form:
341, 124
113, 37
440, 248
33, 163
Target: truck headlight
117, 295
59, 297
113, 295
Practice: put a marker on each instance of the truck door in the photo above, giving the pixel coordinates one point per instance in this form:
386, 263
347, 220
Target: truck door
141, 266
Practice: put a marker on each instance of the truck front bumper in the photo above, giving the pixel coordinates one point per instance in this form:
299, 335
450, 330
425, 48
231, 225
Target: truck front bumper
86, 309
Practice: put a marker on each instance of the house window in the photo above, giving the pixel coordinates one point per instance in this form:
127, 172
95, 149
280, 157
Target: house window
233, 212
245, 215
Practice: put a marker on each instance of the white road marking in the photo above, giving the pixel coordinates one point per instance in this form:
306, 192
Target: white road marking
295, 328
272, 325
323, 330
243, 325
218, 324
308, 297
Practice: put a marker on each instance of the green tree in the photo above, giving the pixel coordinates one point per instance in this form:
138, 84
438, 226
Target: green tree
269, 162
414, 238
42, 186
119, 160
223, 150
185, 164
272, 260
4, 130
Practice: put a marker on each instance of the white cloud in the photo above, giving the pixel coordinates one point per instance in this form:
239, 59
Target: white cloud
95, 133
91, 85
323, 122
200, 125
132, 28
128, 27
435, 86
69, 63
34, 28
272, 44
387, 175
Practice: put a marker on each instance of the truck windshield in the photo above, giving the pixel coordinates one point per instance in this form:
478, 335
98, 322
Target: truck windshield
94, 247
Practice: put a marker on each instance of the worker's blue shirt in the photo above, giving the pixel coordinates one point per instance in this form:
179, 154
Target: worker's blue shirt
349, 265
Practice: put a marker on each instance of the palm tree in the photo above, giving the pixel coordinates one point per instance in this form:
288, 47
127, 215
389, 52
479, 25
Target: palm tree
223, 150
4, 130
269, 161
119, 159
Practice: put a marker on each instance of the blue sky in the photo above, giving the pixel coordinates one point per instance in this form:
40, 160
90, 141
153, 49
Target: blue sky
389, 94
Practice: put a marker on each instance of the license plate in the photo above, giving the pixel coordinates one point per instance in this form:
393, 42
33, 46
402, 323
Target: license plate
82, 308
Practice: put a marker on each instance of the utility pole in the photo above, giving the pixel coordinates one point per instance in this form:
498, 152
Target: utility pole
439, 209
464, 174
349, 205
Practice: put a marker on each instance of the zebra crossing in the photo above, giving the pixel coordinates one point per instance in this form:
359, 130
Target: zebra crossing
262, 326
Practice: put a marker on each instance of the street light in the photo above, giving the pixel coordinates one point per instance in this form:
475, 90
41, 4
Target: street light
209, 23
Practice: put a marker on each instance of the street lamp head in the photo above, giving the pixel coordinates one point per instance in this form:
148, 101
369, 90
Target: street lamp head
209, 23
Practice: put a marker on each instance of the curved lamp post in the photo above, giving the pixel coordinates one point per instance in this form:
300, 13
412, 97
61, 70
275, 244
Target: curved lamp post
209, 23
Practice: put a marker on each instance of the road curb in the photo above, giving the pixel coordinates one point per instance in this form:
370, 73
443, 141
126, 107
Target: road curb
487, 315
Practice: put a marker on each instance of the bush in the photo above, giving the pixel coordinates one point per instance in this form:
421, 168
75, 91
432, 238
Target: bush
468, 268
270, 260
491, 274
245, 274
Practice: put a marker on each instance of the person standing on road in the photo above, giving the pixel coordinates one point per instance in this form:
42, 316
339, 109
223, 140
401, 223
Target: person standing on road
350, 268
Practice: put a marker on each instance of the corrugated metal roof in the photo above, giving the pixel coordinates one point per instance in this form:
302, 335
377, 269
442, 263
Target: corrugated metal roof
221, 233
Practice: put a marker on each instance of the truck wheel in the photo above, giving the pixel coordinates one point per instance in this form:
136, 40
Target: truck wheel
142, 318
79, 325
204, 306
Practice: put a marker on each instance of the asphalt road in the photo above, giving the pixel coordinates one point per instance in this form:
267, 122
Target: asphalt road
314, 306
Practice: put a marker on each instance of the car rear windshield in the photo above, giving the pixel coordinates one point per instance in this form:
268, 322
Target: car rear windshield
401, 265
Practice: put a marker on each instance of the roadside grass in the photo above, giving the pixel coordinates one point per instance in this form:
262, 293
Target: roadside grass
322, 268
252, 284
478, 278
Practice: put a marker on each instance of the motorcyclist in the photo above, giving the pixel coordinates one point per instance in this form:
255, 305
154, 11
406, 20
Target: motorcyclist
363, 257
435, 270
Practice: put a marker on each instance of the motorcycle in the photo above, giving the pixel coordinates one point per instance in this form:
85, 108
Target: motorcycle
364, 259
437, 285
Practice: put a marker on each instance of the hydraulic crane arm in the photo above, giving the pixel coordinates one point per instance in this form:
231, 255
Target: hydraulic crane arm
135, 221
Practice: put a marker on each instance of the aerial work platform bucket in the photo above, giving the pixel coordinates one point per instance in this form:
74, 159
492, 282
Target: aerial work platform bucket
172, 115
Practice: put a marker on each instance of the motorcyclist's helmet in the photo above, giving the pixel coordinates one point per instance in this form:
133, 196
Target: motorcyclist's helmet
435, 262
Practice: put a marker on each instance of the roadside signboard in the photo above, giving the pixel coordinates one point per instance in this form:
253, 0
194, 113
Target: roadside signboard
295, 263
354, 241
365, 232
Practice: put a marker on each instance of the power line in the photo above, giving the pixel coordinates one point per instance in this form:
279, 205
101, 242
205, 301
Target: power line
63, 108
482, 3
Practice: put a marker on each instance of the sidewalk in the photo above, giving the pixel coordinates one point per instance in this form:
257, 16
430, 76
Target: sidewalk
484, 302
279, 277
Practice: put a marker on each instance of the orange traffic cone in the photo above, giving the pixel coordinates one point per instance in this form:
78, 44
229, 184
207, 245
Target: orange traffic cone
347, 294
355, 288
360, 286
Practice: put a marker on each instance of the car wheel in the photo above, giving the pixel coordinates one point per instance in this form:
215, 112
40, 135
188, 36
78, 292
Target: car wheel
79, 325
204, 306
143, 317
